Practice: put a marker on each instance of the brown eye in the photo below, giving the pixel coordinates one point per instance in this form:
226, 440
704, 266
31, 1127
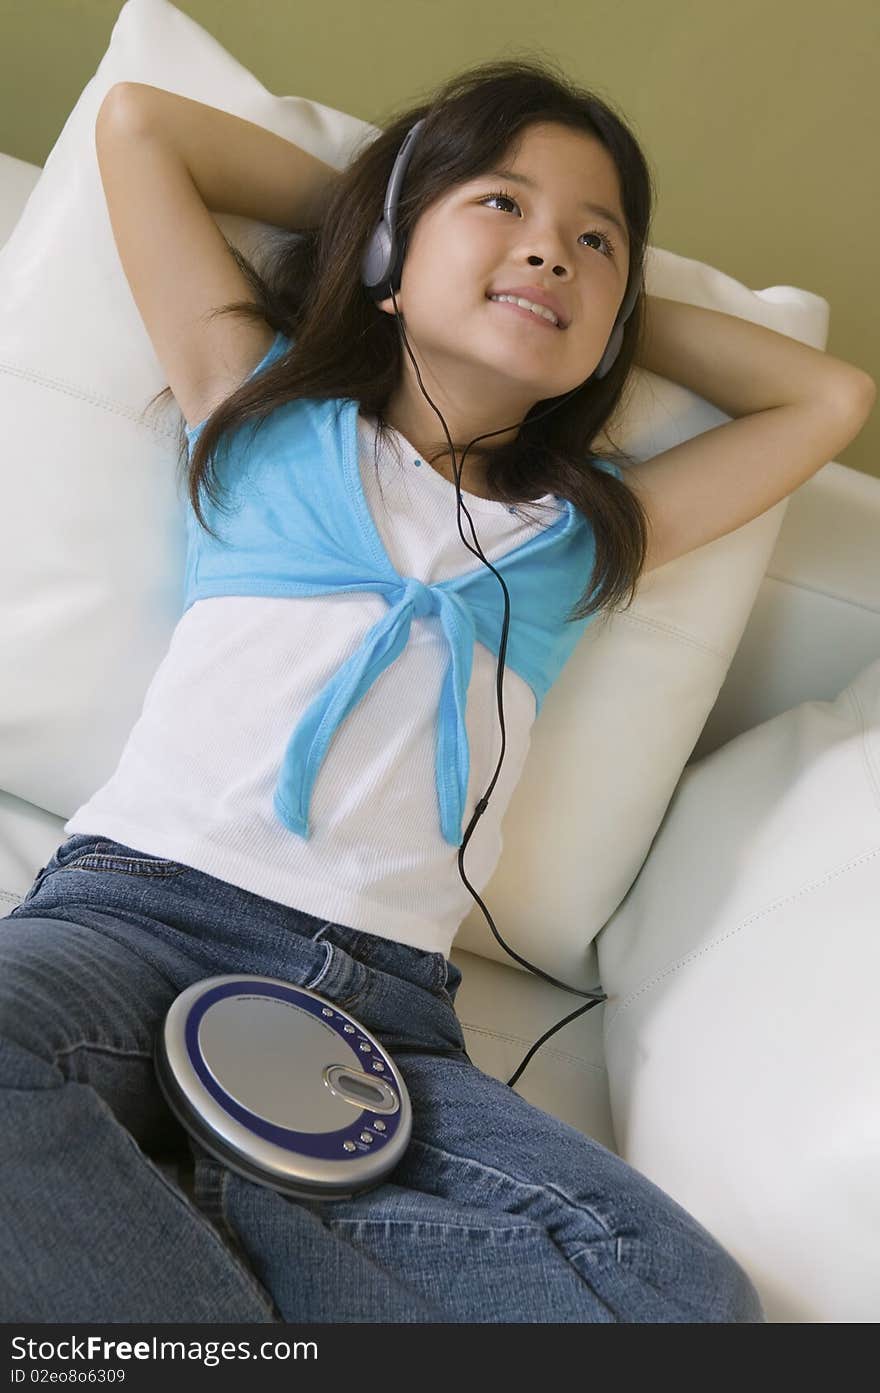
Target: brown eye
504, 196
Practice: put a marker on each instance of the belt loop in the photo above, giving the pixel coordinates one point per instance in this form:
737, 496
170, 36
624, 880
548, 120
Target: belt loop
442, 972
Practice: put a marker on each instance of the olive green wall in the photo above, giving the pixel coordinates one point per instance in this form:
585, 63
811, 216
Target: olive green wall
756, 117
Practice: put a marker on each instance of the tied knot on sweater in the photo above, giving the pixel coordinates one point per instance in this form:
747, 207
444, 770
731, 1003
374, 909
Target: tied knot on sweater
380, 646
422, 597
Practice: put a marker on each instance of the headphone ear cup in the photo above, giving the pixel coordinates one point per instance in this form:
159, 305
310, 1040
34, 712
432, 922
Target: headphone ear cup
377, 262
612, 348
382, 261
615, 341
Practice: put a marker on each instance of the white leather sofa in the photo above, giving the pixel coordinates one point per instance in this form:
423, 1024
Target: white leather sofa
697, 826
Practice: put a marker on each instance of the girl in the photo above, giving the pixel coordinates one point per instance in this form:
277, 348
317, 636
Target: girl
229, 839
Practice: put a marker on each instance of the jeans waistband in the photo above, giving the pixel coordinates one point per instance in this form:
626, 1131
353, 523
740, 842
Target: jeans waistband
431, 970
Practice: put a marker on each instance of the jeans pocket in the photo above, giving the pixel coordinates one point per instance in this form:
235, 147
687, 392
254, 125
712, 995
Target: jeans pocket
85, 853
76, 845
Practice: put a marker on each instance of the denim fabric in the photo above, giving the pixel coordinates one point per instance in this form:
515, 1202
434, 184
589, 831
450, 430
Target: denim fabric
498, 1212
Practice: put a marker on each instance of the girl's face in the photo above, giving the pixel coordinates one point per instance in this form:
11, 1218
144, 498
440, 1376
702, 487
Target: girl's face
471, 243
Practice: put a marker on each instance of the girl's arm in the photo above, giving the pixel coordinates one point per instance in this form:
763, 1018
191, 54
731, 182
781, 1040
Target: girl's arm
179, 266
738, 366
796, 409
237, 167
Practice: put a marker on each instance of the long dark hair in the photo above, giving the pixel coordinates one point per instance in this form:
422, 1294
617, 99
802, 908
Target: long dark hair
345, 347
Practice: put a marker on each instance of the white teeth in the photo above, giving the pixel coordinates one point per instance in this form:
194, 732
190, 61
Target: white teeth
529, 305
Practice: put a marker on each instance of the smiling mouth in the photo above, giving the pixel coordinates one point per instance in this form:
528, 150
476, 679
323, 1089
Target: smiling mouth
536, 318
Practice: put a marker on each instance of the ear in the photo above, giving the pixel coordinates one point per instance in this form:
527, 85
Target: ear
388, 305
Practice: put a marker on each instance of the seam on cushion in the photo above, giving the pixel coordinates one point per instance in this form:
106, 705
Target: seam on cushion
731, 933
673, 631
575, 1060
102, 403
824, 594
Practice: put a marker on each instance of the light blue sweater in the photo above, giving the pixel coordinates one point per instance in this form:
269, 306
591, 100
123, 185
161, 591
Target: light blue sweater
302, 526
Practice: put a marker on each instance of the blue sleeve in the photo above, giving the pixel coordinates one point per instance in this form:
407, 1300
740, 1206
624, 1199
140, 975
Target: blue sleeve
280, 344
614, 469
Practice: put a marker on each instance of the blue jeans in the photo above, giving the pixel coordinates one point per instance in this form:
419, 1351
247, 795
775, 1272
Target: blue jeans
498, 1212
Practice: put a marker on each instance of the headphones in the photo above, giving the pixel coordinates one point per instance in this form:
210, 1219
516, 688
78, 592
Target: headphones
381, 270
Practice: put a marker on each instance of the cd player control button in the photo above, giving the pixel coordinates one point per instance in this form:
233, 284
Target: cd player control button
349, 1146
379, 1126
349, 1029
377, 1064
326, 1011
367, 1136
364, 1046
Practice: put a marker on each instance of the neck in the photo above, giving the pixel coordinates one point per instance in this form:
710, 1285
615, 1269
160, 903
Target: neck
472, 476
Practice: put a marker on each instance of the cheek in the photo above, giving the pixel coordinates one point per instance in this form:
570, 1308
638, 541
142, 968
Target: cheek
446, 276
446, 266
436, 298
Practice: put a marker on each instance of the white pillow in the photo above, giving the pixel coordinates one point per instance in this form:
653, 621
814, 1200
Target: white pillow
91, 568
742, 1036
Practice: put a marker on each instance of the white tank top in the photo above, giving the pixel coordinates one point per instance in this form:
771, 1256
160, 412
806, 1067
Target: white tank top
196, 779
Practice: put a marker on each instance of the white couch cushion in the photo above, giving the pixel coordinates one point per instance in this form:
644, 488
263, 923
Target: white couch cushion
92, 562
742, 1036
